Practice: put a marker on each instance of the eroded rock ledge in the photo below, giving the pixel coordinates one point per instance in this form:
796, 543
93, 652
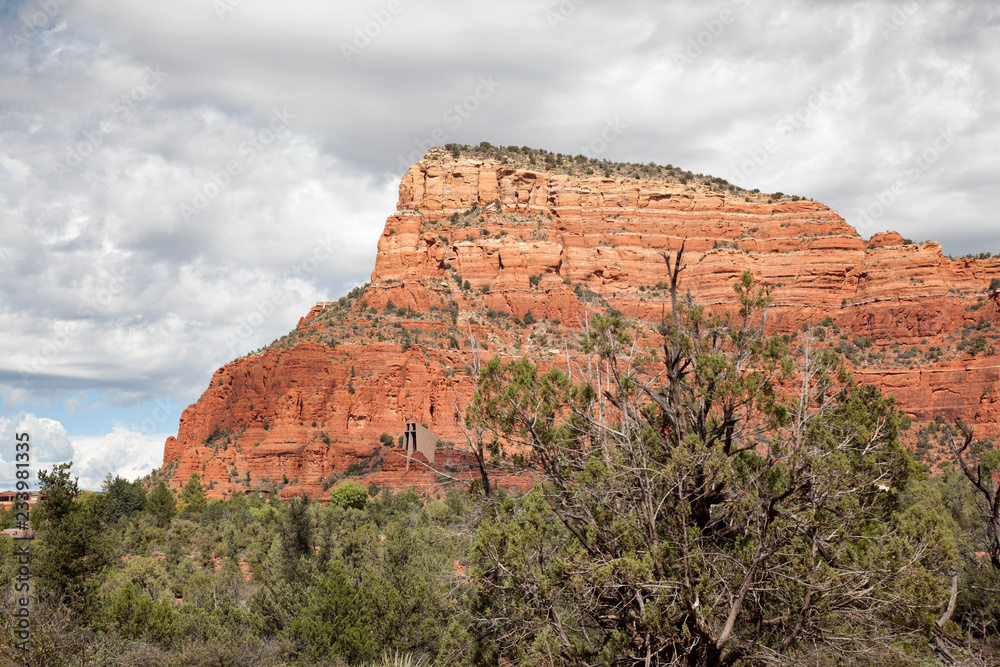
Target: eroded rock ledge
477, 244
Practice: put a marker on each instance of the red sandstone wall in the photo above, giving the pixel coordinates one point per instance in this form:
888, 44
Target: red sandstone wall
607, 235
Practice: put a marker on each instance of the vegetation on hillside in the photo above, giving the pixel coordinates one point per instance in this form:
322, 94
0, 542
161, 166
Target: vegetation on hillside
718, 498
581, 165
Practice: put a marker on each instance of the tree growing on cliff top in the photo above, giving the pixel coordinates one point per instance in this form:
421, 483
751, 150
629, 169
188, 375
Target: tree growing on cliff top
710, 504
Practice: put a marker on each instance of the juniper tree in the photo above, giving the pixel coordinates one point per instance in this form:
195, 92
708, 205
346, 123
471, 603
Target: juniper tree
985, 479
72, 547
193, 495
162, 505
719, 501
121, 498
979, 603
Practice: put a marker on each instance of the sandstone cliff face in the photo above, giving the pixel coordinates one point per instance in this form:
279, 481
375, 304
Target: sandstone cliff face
476, 242
610, 236
297, 416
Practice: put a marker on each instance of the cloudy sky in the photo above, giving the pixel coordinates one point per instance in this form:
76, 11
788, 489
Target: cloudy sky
180, 181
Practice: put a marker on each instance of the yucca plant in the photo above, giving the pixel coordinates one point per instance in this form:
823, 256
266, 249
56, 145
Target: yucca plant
397, 659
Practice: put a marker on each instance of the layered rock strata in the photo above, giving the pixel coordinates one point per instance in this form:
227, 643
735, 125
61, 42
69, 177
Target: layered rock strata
486, 255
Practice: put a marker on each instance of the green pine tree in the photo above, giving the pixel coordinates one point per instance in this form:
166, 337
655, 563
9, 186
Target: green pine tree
192, 495
162, 505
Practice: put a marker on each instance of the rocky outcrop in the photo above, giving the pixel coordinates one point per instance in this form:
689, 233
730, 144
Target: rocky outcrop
500, 226
478, 242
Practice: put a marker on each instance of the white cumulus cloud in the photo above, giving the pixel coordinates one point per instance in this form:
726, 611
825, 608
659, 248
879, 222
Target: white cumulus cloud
47, 444
123, 452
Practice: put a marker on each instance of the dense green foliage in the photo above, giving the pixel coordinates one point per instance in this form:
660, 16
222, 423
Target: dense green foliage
723, 502
124, 579
349, 495
327, 582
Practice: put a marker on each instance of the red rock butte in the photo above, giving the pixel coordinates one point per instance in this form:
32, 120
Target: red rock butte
507, 252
